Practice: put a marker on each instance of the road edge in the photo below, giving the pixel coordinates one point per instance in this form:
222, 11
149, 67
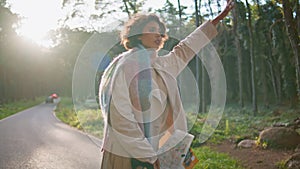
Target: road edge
96, 141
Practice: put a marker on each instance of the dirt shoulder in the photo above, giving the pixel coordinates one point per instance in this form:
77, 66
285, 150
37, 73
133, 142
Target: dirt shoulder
253, 158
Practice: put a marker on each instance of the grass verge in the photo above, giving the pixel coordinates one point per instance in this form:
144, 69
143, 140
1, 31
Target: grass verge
85, 119
239, 123
11, 108
66, 113
209, 159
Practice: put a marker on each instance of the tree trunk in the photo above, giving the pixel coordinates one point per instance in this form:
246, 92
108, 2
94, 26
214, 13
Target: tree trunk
253, 83
202, 107
273, 77
291, 26
180, 18
273, 65
180, 13
263, 78
210, 8
127, 9
239, 55
298, 16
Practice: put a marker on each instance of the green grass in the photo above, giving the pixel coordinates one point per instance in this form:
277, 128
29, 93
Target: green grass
209, 159
88, 120
91, 121
11, 108
237, 124
65, 112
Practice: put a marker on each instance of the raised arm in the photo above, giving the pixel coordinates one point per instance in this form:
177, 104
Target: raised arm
175, 61
227, 9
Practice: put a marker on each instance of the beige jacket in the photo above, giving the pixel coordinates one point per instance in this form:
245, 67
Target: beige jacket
125, 137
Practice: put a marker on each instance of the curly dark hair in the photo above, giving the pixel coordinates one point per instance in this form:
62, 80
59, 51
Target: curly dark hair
134, 27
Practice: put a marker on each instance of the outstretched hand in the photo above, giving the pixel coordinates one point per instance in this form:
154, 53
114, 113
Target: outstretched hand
228, 8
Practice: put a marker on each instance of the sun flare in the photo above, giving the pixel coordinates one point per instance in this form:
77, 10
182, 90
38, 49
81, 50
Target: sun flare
35, 31
39, 17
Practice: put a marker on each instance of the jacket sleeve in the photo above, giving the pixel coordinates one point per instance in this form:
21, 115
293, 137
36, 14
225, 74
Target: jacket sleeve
124, 124
176, 60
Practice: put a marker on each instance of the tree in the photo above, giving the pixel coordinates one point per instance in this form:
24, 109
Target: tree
7, 20
268, 28
174, 18
253, 82
239, 51
291, 26
133, 6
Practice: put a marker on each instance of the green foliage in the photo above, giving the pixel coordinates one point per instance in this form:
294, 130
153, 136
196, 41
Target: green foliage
91, 121
133, 6
88, 120
263, 145
238, 124
11, 108
171, 16
281, 164
65, 112
209, 159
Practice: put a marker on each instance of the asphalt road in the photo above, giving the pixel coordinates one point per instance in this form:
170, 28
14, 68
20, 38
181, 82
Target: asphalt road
36, 139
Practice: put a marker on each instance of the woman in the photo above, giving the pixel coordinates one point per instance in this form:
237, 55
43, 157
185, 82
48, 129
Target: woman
139, 96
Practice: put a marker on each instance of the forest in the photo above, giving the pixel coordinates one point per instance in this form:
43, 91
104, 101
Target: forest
258, 44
